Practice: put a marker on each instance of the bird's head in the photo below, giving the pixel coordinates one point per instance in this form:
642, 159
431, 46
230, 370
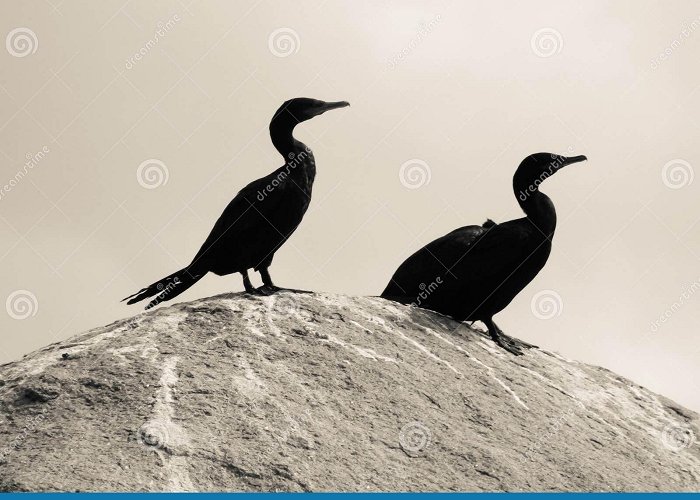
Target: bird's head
301, 109
536, 168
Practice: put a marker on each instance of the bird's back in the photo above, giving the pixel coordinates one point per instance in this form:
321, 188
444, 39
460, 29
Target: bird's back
472, 271
431, 262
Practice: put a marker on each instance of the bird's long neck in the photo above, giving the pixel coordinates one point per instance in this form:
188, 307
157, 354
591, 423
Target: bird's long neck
298, 157
281, 129
537, 206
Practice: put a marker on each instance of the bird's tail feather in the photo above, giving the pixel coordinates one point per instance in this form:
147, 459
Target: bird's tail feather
166, 288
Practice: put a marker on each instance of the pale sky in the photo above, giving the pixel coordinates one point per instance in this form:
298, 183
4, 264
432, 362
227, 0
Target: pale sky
463, 91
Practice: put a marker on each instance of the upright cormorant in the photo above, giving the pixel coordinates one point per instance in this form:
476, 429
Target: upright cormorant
260, 218
474, 272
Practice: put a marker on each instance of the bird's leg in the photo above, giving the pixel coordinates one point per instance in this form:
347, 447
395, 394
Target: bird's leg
496, 333
249, 288
514, 341
267, 279
268, 287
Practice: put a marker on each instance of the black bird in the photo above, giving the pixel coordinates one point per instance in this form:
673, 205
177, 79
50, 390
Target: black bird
260, 218
474, 272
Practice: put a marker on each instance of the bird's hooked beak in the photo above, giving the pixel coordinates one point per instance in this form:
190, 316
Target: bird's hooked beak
327, 106
573, 159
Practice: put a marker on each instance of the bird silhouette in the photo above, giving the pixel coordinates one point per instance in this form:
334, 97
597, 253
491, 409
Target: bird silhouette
474, 272
260, 218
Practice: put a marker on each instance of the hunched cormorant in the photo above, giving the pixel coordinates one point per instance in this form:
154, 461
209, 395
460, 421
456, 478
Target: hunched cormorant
474, 272
260, 218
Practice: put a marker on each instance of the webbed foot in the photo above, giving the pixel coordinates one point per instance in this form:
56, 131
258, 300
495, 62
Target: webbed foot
517, 342
268, 290
510, 344
272, 289
511, 348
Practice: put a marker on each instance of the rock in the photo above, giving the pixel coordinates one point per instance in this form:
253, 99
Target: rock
316, 392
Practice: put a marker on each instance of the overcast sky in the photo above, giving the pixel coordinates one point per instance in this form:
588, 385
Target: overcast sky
139, 133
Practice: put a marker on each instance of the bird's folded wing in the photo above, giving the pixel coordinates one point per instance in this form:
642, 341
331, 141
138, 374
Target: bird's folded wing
493, 254
464, 252
245, 210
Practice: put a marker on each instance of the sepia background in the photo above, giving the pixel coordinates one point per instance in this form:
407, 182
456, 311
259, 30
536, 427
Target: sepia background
127, 126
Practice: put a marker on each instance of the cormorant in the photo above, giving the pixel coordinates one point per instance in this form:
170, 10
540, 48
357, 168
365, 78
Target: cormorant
260, 218
474, 272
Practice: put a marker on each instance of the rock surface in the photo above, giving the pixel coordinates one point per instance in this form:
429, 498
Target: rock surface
324, 392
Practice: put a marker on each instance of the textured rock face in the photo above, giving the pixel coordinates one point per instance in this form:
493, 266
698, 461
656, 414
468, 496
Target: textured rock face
321, 392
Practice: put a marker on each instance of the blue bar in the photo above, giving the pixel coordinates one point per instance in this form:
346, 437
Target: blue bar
356, 496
